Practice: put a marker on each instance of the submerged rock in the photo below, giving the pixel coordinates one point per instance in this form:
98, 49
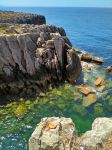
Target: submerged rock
101, 88
85, 90
53, 134
99, 81
89, 100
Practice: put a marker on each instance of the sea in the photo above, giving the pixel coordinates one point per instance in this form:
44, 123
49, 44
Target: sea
89, 29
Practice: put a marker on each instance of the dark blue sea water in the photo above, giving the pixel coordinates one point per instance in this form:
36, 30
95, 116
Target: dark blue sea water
88, 28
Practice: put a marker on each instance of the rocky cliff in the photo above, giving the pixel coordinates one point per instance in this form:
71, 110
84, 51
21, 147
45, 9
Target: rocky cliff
21, 18
34, 57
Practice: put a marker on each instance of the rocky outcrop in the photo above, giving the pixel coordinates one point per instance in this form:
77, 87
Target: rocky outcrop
60, 134
109, 69
99, 136
21, 18
33, 60
53, 134
89, 58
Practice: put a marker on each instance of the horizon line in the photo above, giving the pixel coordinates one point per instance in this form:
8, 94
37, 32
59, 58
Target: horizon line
60, 6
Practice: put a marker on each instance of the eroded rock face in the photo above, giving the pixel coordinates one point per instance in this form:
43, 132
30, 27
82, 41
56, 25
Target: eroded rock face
36, 59
99, 136
53, 134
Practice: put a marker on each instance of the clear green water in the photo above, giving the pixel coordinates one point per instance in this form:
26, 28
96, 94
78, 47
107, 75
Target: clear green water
19, 119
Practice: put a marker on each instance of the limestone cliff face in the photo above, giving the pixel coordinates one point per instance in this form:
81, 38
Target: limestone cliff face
21, 18
36, 58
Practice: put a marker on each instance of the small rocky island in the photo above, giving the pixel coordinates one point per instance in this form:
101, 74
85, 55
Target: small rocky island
35, 58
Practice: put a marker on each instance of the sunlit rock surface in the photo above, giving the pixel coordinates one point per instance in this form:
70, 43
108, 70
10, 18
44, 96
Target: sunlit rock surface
60, 134
101, 132
21, 18
42, 55
53, 134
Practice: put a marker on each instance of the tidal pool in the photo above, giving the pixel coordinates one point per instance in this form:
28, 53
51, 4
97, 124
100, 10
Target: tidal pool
18, 119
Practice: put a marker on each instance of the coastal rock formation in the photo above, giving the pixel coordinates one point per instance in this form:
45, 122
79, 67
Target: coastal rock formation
89, 58
53, 134
34, 59
21, 18
60, 134
109, 69
99, 136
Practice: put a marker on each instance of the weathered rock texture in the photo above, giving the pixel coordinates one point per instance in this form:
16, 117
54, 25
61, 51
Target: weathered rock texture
43, 55
21, 18
53, 134
99, 138
60, 134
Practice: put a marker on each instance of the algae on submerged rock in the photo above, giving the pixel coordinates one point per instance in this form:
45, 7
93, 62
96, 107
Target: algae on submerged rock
20, 111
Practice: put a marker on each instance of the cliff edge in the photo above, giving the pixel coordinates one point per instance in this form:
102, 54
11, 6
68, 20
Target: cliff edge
21, 18
34, 56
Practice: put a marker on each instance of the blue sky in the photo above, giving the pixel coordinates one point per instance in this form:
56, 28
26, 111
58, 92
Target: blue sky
65, 3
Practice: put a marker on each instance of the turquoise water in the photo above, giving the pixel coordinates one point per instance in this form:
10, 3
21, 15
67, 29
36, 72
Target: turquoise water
88, 29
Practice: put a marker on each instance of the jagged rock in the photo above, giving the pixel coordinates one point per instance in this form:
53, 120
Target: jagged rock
39, 51
53, 134
21, 18
50, 44
98, 136
60, 51
60, 134
54, 35
22, 57
73, 66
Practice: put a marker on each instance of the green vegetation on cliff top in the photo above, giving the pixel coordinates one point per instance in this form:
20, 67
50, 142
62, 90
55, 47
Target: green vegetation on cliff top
6, 15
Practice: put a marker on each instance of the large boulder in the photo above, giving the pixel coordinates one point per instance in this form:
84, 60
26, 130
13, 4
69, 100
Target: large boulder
60, 134
99, 136
53, 134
